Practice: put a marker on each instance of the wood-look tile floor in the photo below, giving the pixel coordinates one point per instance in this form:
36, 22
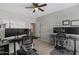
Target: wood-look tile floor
42, 47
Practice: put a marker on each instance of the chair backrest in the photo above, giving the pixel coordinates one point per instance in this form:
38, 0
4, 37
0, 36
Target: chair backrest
60, 38
26, 40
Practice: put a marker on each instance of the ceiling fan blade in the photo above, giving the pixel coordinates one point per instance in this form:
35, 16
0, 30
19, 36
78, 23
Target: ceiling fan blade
29, 7
42, 5
35, 4
33, 10
41, 9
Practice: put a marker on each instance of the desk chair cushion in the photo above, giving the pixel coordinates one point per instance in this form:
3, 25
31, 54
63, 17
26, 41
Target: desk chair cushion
27, 46
27, 42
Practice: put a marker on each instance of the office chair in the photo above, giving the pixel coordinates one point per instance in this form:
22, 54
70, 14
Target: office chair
61, 43
27, 47
60, 40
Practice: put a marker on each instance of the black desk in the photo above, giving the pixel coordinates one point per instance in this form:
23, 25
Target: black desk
4, 43
14, 41
17, 39
4, 47
72, 38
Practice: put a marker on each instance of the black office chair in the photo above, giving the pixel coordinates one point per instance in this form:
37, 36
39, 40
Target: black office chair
27, 47
60, 40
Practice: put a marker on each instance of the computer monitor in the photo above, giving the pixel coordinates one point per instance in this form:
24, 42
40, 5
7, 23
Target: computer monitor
14, 32
68, 30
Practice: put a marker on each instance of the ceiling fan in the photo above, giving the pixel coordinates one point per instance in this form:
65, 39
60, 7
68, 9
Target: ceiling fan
36, 7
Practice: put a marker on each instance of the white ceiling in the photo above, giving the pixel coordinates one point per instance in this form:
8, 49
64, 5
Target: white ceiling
20, 8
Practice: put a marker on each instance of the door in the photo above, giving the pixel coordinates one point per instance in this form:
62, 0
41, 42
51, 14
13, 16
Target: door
33, 28
38, 30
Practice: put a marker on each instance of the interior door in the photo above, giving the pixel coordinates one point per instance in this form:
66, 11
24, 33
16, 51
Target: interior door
33, 28
38, 30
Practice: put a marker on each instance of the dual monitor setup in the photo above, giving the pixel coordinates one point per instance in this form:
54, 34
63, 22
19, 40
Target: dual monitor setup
15, 31
67, 30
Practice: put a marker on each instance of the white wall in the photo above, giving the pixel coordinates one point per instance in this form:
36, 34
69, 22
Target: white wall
13, 17
55, 19
47, 24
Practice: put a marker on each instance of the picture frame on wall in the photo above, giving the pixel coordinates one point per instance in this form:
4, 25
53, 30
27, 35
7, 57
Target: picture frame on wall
66, 22
75, 23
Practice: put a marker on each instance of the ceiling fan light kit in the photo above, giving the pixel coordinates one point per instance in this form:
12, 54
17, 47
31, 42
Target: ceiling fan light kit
36, 9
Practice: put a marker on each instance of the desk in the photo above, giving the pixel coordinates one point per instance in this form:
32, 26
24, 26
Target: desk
17, 39
4, 48
35, 37
72, 38
14, 43
4, 43
13, 40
